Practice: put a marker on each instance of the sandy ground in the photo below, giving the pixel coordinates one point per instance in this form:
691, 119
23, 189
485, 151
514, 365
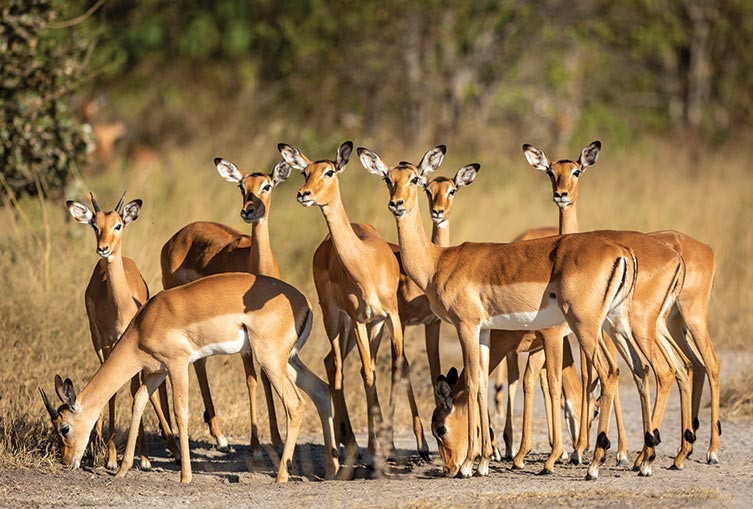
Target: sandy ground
237, 479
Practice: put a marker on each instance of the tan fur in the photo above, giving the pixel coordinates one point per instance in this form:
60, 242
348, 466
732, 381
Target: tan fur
258, 313
203, 248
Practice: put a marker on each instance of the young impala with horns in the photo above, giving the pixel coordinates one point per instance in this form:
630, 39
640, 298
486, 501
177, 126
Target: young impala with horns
219, 314
524, 286
356, 276
114, 294
203, 248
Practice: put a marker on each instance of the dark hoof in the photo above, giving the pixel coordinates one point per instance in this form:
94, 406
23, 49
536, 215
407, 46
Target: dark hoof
675, 467
575, 459
545, 471
712, 461
623, 464
425, 456
516, 467
589, 478
636, 468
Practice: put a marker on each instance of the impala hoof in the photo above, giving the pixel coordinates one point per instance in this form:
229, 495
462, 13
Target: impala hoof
145, 465
545, 471
466, 471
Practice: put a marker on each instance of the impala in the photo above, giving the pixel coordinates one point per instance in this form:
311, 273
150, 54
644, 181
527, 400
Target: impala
114, 294
203, 248
218, 314
524, 286
689, 313
356, 276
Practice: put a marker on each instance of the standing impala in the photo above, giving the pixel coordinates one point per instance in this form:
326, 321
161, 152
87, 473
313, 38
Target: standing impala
203, 248
218, 314
689, 313
356, 276
114, 294
531, 286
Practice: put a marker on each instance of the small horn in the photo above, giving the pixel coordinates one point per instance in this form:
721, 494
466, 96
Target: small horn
120, 203
50, 409
94, 202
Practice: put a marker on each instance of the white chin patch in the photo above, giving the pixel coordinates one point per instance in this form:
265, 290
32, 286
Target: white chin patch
441, 223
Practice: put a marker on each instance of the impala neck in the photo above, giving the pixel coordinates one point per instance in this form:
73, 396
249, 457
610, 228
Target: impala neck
568, 220
346, 242
418, 254
440, 235
118, 289
122, 364
260, 257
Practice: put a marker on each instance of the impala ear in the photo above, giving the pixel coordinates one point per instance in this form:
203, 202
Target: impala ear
131, 211
228, 170
589, 155
80, 212
372, 162
466, 175
536, 158
293, 156
452, 376
444, 392
65, 392
431, 160
280, 173
343, 155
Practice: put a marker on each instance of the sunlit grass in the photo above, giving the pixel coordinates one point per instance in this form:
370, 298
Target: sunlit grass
43, 325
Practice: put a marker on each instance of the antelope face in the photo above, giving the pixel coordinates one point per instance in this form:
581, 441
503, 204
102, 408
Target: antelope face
108, 226
449, 423
441, 193
72, 425
321, 185
256, 188
563, 174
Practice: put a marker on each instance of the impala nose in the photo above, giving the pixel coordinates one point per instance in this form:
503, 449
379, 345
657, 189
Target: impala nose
398, 203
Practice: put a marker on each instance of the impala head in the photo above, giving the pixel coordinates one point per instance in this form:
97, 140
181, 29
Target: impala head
441, 192
256, 188
72, 425
405, 179
107, 226
449, 422
564, 174
321, 185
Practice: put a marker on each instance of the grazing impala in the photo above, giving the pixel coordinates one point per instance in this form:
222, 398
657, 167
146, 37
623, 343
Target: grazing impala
114, 294
356, 276
689, 313
219, 314
530, 286
203, 248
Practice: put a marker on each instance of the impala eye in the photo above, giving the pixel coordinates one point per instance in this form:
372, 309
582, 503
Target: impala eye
330, 173
577, 173
64, 429
266, 188
118, 227
452, 192
414, 181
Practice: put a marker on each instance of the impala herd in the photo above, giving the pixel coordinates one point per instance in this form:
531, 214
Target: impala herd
222, 295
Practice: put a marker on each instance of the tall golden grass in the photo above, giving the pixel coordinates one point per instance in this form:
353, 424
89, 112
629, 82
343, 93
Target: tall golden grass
46, 258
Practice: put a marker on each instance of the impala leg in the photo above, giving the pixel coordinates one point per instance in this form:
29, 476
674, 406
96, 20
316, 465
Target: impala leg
112, 448
318, 391
210, 417
431, 336
274, 431
140, 399
548, 406
571, 393
179, 381
513, 378
606, 369
587, 376
469, 341
250, 369
499, 396
144, 462
483, 403
530, 375
157, 399
622, 443
401, 376
553, 353
368, 375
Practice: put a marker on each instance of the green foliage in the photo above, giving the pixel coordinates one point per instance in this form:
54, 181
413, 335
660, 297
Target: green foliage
40, 138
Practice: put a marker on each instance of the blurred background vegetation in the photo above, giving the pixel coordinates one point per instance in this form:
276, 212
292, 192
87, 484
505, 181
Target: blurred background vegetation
112, 94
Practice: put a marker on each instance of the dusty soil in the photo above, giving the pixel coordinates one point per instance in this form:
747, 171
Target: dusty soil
238, 479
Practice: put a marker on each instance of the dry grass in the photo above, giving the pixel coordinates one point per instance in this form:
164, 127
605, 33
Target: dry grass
43, 326
737, 396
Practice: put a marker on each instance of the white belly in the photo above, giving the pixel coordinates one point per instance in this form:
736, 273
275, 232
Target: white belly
526, 320
237, 345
